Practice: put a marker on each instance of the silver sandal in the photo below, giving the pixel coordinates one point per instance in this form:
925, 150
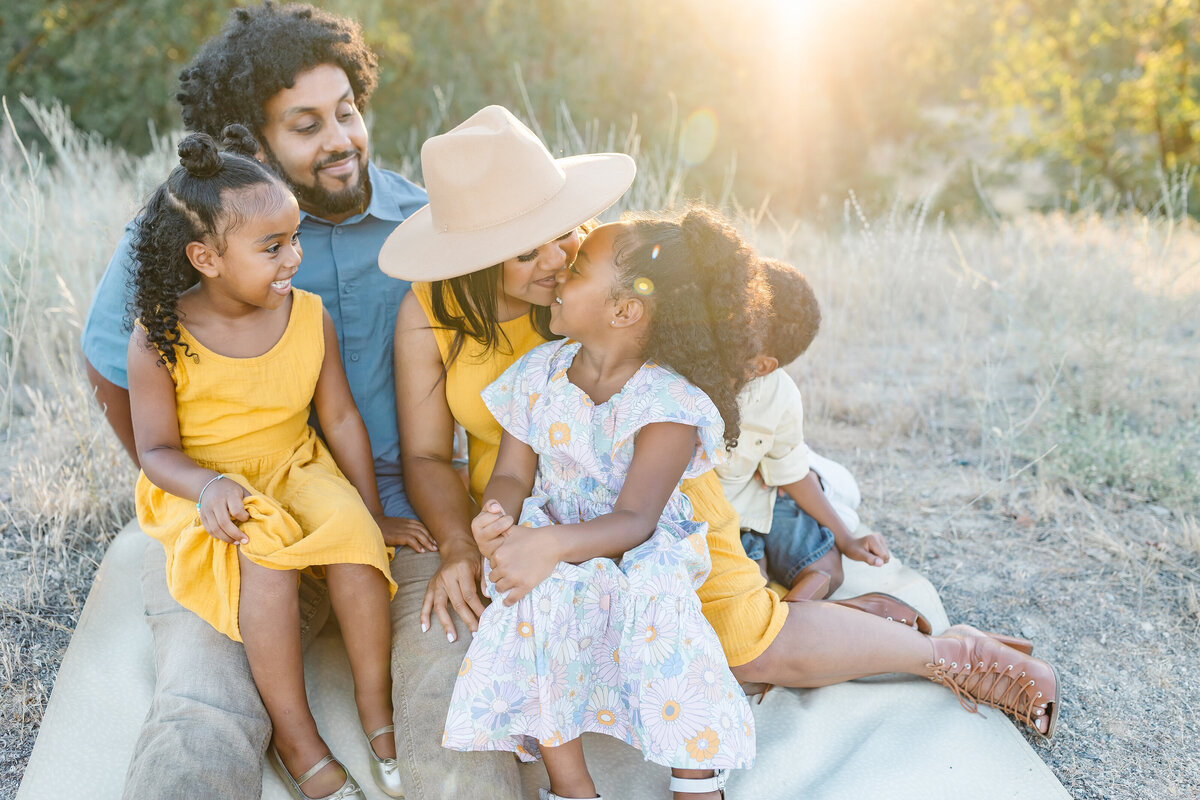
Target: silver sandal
348, 790
385, 771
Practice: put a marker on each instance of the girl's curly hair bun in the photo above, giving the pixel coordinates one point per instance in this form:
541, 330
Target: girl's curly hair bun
198, 154
238, 139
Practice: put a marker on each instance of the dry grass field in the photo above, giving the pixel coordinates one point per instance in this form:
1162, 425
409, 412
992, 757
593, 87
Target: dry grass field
1019, 399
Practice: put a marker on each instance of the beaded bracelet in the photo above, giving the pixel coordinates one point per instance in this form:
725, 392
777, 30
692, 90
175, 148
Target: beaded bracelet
211, 481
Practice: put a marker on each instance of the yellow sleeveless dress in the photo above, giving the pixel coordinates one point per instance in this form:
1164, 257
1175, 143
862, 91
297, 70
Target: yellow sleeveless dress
247, 418
746, 615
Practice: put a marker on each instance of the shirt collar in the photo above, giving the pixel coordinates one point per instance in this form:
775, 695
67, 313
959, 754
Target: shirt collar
384, 204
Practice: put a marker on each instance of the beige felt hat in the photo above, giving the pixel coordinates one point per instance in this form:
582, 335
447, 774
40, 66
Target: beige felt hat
496, 192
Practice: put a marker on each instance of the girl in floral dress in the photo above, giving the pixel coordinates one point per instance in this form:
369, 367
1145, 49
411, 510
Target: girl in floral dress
595, 624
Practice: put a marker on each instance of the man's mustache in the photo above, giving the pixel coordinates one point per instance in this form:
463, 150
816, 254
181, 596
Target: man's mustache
333, 159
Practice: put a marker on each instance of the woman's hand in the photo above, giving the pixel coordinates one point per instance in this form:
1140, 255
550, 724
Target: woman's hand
222, 503
404, 532
456, 582
489, 528
870, 549
522, 561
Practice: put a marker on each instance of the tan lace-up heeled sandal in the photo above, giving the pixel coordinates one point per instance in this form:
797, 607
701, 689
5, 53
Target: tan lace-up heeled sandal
982, 671
1015, 642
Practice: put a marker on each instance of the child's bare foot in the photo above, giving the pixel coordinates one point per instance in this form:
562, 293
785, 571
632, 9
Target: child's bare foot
300, 756
812, 585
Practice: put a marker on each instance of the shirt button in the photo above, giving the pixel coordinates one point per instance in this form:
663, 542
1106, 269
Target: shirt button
347, 288
354, 356
337, 231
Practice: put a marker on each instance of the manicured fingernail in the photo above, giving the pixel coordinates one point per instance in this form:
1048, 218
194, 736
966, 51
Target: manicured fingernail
424, 627
449, 637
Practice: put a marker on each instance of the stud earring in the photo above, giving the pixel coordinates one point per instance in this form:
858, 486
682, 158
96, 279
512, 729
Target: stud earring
612, 322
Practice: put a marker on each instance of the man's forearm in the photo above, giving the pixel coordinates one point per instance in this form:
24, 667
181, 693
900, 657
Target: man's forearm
114, 401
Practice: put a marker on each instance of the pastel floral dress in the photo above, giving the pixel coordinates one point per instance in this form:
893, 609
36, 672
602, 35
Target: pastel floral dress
613, 647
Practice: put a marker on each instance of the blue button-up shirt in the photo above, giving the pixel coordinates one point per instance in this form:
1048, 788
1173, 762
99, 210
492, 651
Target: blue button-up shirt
341, 264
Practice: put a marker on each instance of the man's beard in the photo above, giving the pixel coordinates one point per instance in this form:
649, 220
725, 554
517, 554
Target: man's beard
316, 198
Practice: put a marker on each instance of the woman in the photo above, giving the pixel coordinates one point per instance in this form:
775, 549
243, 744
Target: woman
479, 241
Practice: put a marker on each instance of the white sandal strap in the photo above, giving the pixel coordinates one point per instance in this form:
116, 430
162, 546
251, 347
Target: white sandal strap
699, 785
546, 794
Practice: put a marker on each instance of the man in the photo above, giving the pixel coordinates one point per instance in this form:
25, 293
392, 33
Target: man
300, 78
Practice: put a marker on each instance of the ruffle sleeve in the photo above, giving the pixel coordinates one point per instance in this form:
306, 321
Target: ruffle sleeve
660, 394
511, 397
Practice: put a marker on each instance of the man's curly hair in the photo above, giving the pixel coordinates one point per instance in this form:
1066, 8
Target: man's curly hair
700, 279
258, 53
793, 316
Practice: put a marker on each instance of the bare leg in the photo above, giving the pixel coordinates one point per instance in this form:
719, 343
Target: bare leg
360, 600
568, 771
269, 616
822, 644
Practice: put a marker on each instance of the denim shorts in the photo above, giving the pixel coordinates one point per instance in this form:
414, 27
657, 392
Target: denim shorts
795, 541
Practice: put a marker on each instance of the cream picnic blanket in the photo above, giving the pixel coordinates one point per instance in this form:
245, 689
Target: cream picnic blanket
879, 738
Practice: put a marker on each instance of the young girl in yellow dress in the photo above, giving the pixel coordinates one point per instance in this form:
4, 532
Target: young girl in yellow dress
224, 363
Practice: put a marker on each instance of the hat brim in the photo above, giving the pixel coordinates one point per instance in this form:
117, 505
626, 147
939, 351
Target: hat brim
415, 251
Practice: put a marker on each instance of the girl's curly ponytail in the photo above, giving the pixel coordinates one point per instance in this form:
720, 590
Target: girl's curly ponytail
189, 207
699, 276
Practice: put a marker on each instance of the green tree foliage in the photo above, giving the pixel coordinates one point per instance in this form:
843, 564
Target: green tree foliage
797, 98
115, 63
807, 96
1104, 88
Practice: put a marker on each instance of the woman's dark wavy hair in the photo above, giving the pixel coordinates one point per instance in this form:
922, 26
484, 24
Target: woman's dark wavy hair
700, 280
193, 205
793, 316
467, 305
258, 53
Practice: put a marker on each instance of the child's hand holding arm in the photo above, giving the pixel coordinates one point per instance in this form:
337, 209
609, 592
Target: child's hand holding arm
661, 454
870, 549
160, 451
511, 482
